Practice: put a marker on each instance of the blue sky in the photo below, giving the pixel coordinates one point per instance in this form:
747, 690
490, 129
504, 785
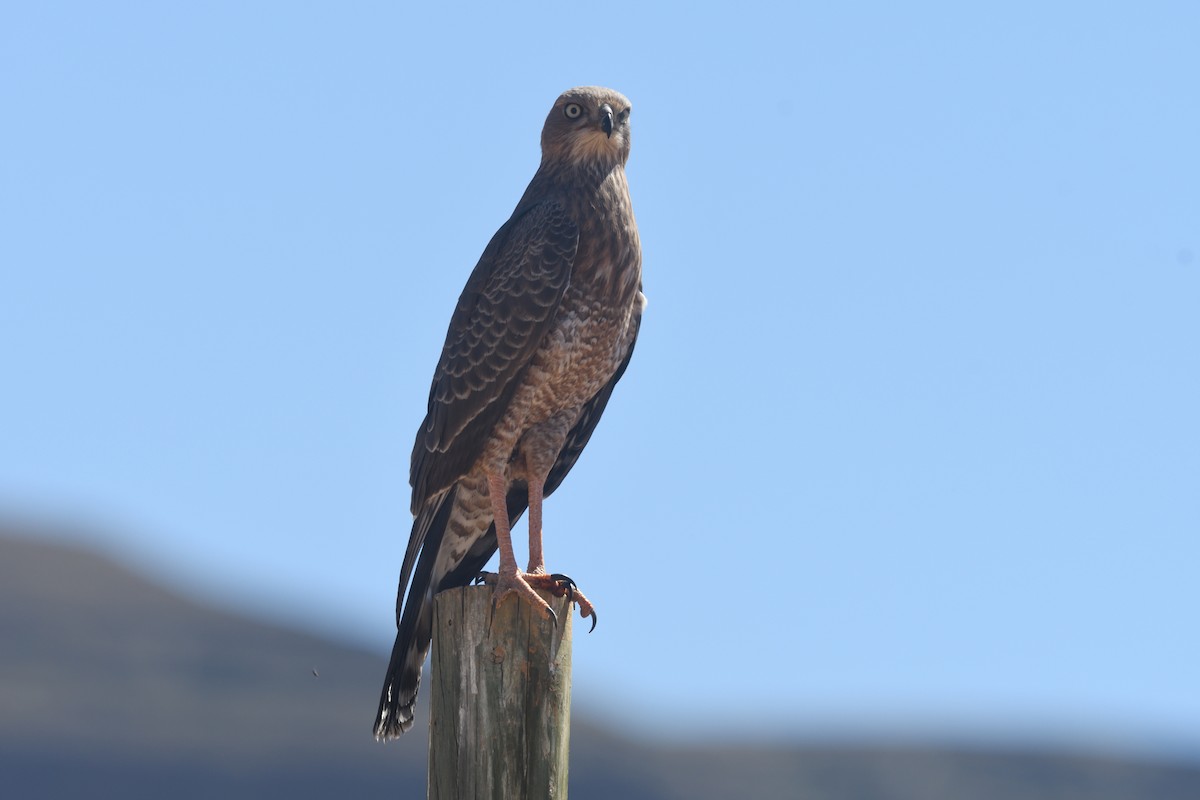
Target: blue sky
911, 439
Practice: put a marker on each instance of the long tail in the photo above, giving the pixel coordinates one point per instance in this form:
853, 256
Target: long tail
395, 715
435, 571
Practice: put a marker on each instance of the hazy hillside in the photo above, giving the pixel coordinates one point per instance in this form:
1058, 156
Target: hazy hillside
113, 687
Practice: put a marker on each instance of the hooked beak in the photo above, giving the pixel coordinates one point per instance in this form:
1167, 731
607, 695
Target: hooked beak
606, 120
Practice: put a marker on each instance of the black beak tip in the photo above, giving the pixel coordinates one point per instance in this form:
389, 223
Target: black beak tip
607, 123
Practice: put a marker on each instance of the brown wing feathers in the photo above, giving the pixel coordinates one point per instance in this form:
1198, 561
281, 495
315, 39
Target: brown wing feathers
501, 317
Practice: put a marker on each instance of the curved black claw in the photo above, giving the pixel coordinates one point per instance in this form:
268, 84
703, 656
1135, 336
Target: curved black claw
482, 577
566, 583
569, 585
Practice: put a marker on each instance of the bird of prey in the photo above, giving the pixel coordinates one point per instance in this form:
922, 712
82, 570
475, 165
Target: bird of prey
541, 334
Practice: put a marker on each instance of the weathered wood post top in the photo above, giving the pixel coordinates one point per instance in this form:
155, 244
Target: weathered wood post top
500, 699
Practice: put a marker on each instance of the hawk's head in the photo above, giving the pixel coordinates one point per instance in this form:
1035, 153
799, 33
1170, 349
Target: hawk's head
587, 125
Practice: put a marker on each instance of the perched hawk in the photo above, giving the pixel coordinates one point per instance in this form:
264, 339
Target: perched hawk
542, 333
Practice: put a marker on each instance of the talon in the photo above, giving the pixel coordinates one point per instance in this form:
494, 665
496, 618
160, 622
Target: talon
593, 621
558, 576
565, 584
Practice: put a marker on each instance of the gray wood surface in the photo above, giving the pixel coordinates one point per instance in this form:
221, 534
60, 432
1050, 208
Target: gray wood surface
500, 699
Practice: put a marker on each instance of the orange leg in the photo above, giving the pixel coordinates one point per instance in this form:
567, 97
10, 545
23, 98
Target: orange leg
510, 580
536, 576
537, 563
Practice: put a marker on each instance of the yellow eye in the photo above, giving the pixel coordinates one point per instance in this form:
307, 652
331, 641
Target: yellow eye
572, 110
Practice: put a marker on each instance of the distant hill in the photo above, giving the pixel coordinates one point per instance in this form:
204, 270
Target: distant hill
114, 687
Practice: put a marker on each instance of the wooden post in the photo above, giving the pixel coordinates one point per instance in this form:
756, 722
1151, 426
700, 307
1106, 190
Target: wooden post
500, 707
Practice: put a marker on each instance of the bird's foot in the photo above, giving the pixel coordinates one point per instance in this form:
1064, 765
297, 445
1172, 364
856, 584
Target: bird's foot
557, 584
516, 582
560, 585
